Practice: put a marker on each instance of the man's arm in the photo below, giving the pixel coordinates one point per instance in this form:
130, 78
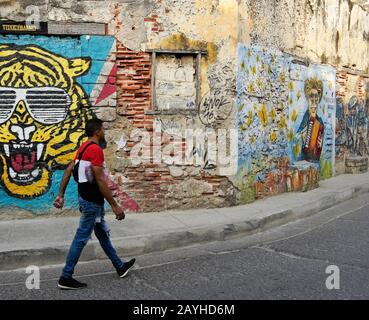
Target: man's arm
104, 189
59, 201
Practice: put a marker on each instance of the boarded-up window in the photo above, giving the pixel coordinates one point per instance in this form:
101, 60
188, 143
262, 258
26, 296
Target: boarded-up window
176, 81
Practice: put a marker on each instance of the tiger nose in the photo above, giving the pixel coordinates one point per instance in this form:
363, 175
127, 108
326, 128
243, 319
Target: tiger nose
23, 133
21, 114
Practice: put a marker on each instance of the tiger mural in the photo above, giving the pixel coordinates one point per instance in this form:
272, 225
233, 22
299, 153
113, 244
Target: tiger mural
43, 111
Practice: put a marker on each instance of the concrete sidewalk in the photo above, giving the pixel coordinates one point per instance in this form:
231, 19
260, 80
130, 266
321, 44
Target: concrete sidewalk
46, 241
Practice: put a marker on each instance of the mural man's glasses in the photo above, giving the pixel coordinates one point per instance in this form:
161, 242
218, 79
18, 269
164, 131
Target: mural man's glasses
47, 105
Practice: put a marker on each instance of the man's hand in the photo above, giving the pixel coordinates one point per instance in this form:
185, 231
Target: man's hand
104, 189
59, 202
119, 212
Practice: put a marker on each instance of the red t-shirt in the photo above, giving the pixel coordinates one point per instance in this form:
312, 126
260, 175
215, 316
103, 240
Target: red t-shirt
87, 186
93, 154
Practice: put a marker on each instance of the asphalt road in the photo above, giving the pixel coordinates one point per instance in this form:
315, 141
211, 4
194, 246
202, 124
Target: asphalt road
288, 262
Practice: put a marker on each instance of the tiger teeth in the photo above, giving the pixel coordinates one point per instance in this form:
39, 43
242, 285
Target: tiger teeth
40, 149
6, 149
26, 146
12, 173
35, 173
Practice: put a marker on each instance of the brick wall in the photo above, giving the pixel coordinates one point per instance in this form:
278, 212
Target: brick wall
150, 184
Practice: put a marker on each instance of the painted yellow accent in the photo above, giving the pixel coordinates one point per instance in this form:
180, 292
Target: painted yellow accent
296, 150
294, 115
253, 70
249, 119
273, 136
263, 115
282, 77
282, 124
258, 83
290, 135
273, 114
291, 86
326, 169
270, 69
298, 95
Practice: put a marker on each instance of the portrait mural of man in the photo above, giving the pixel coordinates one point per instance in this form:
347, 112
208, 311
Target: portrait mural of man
311, 128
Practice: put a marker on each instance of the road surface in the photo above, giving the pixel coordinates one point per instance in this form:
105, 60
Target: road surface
288, 262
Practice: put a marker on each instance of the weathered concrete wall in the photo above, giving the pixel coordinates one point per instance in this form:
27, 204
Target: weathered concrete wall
261, 94
326, 31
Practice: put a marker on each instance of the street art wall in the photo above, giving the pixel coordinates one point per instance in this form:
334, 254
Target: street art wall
48, 86
262, 99
286, 122
351, 118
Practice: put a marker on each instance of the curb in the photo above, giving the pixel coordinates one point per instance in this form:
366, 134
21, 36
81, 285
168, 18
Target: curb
149, 243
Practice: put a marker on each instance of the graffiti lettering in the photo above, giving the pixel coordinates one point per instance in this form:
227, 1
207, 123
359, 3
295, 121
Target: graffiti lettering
215, 107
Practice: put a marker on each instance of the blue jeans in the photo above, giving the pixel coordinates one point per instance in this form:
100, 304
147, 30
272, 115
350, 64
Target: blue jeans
92, 219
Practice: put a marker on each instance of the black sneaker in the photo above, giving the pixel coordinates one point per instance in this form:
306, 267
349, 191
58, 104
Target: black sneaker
126, 267
70, 284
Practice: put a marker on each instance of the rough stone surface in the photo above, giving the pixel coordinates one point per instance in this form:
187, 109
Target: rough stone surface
106, 114
355, 165
323, 31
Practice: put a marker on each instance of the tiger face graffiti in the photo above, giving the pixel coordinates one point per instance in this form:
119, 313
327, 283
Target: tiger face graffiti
42, 115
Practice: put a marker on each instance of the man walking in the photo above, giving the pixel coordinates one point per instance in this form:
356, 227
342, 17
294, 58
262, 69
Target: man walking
88, 171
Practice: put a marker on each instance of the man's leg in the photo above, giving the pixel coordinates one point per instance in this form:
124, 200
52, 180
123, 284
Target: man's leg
83, 234
102, 234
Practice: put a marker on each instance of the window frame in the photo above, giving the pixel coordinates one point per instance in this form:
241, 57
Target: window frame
197, 54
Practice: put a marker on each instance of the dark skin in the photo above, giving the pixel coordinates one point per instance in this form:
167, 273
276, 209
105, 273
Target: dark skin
99, 176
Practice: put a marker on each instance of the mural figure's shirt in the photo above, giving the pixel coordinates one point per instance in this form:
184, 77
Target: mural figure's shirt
88, 188
313, 141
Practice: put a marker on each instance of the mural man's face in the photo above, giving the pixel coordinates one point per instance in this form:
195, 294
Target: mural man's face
313, 101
